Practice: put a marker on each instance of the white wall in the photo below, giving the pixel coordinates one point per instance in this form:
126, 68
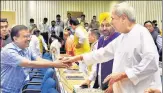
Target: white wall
145, 10
50, 9
148, 10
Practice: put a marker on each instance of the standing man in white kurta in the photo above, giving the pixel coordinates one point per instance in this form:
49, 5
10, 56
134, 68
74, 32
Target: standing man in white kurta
135, 65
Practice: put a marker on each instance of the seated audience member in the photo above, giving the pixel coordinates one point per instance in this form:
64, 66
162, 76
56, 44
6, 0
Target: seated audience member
42, 43
34, 43
56, 43
69, 43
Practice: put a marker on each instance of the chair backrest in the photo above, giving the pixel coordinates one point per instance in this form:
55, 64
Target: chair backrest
48, 74
47, 56
49, 83
52, 90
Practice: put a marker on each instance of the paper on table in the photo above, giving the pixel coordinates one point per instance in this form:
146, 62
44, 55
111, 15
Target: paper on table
78, 89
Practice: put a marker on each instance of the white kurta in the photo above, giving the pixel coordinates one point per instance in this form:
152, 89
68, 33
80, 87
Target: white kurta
55, 46
34, 45
134, 53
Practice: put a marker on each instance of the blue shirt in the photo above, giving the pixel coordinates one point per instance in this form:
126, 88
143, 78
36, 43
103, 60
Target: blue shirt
12, 75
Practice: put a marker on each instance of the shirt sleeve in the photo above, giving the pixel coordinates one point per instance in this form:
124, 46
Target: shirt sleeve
11, 57
80, 34
149, 63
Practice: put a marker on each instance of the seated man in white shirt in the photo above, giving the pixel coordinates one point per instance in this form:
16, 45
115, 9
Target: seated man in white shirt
56, 44
34, 43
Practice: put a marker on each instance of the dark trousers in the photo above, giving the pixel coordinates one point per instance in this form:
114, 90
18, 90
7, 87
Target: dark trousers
103, 86
45, 36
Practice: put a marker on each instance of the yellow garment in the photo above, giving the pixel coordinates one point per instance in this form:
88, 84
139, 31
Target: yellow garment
105, 16
82, 23
40, 43
85, 46
161, 32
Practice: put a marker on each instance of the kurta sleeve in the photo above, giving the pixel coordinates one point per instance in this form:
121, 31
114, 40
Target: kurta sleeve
101, 55
149, 63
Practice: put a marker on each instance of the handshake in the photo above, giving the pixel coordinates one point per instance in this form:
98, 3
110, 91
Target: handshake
66, 62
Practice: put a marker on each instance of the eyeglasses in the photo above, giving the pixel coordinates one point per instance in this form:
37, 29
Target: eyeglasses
27, 36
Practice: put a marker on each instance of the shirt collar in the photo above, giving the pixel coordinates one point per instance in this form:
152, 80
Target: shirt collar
18, 48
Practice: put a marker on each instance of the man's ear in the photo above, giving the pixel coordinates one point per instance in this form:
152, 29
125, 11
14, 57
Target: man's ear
15, 38
124, 17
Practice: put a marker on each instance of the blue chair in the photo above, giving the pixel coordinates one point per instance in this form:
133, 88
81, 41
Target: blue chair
40, 71
47, 56
39, 79
49, 83
37, 82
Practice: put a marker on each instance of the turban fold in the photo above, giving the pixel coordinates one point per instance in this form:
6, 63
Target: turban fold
105, 16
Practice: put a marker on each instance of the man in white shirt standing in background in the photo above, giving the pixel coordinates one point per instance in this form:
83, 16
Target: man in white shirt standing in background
59, 26
135, 66
43, 27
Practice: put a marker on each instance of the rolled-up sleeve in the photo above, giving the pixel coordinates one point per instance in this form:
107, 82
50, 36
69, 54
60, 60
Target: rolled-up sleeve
101, 55
11, 57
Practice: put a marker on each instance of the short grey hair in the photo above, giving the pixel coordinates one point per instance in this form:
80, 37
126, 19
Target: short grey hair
96, 32
125, 8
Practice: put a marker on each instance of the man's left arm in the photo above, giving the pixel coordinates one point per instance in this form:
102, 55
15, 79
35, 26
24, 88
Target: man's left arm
149, 63
146, 67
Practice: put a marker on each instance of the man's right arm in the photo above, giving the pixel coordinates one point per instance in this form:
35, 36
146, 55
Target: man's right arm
42, 64
13, 58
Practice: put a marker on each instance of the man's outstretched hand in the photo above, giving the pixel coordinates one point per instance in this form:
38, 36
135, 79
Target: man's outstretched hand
70, 60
